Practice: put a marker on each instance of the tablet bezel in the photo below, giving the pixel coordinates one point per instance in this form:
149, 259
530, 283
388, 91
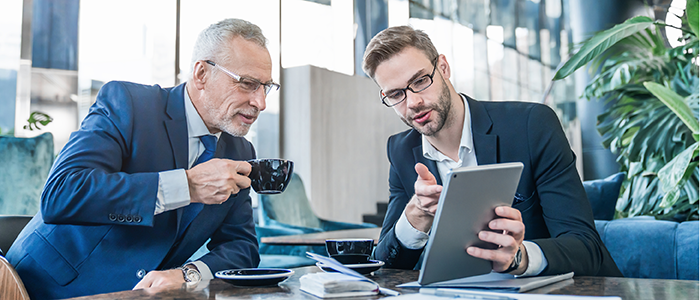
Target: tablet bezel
445, 256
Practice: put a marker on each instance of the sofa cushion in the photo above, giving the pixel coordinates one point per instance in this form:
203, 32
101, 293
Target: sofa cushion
643, 247
687, 250
603, 194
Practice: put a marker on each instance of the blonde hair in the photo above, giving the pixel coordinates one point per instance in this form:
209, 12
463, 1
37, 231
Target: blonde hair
393, 40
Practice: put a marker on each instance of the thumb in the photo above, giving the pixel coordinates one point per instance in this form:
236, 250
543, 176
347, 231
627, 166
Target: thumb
423, 172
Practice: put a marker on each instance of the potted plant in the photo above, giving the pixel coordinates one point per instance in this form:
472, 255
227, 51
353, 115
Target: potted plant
652, 122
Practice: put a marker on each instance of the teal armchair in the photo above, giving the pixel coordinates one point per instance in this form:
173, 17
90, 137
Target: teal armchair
290, 213
24, 167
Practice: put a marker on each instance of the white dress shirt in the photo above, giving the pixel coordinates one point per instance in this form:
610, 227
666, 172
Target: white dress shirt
413, 238
173, 187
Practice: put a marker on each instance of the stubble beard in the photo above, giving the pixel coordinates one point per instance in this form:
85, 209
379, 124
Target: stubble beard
226, 123
442, 108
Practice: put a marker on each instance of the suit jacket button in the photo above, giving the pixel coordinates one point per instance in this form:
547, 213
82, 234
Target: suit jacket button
129, 218
137, 219
120, 218
140, 273
112, 217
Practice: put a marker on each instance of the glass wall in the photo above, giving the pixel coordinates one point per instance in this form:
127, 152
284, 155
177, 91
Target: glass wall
10, 46
504, 49
498, 49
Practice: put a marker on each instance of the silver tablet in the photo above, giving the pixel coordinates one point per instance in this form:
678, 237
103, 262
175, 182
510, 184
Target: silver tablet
466, 206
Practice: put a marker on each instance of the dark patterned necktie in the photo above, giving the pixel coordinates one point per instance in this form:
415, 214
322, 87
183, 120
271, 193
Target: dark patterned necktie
190, 211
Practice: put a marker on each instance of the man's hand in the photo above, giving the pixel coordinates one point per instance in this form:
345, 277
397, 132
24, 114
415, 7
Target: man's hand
509, 234
214, 181
168, 279
420, 211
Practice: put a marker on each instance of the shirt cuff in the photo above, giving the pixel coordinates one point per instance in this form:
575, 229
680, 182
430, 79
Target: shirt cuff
173, 190
409, 236
203, 270
536, 262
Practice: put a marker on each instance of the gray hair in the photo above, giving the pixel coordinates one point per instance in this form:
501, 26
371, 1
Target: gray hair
393, 40
210, 44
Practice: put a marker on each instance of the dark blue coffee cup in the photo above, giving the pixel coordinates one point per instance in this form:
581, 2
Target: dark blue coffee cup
350, 251
270, 175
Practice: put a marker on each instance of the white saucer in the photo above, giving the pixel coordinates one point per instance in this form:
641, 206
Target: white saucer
364, 268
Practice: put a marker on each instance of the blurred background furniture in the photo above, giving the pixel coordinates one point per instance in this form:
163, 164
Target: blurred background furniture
291, 213
11, 286
10, 227
25, 166
319, 238
603, 194
643, 247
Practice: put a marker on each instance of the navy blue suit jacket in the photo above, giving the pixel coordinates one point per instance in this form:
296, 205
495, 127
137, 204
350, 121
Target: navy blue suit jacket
96, 231
550, 195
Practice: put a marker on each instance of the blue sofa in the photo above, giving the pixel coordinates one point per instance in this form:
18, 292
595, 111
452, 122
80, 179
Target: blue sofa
643, 247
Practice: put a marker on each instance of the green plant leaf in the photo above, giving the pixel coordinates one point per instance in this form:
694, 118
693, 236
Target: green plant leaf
673, 172
675, 103
601, 42
691, 11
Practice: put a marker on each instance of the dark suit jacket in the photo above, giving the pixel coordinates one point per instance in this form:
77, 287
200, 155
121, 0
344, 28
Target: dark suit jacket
550, 196
96, 231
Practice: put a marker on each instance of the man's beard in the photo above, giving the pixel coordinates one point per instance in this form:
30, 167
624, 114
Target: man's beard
442, 108
224, 122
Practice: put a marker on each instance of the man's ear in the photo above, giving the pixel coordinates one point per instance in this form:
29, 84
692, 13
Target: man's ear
443, 66
199, 75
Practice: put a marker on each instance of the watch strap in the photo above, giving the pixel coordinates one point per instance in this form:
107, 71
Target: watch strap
516, 261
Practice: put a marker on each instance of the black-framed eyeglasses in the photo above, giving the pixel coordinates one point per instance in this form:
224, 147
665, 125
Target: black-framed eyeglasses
397, 96
247, 84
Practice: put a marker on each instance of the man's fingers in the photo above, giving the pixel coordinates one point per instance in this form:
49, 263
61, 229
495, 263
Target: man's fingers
146, 282
243, 168
498, 257
428, 190
424, 173
498, 239
508, 213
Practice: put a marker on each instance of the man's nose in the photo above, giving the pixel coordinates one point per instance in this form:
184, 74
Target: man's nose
413, 100
258, 99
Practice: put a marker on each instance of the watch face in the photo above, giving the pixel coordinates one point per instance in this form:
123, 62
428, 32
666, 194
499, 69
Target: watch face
193, 276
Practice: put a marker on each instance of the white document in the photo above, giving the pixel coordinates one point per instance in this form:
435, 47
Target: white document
468, 294
495, 282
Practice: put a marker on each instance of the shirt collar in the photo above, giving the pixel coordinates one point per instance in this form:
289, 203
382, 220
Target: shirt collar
466, 141
195, 124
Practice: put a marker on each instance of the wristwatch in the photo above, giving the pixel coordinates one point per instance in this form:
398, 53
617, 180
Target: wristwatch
191, 274
516, 261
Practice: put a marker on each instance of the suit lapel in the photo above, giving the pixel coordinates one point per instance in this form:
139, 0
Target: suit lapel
432, 165
485, 144
176, 127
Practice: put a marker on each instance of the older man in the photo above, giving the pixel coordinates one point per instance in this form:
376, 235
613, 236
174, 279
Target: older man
151, 174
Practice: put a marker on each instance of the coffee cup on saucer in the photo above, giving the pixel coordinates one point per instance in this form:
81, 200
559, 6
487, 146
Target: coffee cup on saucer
350, 251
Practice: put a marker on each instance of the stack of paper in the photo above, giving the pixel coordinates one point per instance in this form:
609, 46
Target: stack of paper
331, 285
335, 265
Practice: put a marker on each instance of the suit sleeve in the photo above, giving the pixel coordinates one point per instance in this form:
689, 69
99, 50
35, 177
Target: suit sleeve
574, 244
86, 184
389, 249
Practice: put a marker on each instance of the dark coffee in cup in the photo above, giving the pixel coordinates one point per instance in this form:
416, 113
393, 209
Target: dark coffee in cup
350, 251
270, 175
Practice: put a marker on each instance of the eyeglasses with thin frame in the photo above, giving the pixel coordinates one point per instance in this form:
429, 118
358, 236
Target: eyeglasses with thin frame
394, 97
247, 84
